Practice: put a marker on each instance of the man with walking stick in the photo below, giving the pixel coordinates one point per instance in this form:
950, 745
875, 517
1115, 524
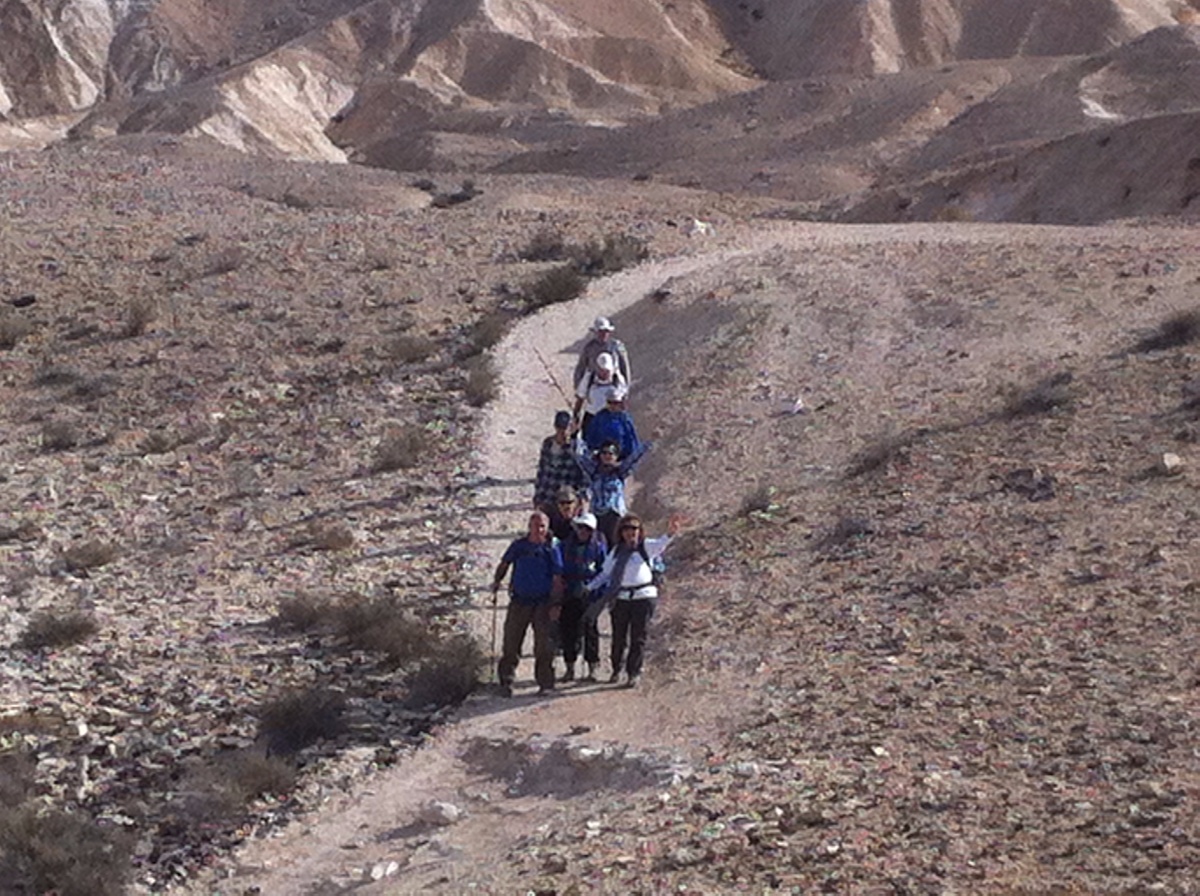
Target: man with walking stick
536, 595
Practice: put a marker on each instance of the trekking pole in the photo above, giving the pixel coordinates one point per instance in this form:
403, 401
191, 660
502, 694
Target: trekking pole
553, 379
495, 611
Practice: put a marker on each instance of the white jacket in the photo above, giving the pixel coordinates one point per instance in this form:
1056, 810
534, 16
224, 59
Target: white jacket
637, 578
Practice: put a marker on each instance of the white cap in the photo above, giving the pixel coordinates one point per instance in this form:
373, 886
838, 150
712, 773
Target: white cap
602, 323
605, 361
616, 393
585, 519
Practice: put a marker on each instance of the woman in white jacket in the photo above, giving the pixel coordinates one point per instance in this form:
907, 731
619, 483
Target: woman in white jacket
626, 581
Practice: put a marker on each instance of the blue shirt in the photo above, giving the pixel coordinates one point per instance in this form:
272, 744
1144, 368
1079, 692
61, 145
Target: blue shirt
534, 567
612, 426
607, 483
583, 559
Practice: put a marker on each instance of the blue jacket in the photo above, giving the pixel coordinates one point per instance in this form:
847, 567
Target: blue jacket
612, 426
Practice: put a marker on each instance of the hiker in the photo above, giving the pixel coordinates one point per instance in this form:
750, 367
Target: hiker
601, 342
606, 472
567, 505
556, 467
583, 554
592, 393
626, 582
536, 592
612, 424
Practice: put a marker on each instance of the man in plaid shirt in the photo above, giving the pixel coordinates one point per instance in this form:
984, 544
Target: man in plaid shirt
556, 466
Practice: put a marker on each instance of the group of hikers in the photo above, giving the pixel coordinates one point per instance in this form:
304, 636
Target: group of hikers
584, 552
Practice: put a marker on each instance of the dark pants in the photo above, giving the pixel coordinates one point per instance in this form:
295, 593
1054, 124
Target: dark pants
630, 619
574, 630
516, 622
607, 523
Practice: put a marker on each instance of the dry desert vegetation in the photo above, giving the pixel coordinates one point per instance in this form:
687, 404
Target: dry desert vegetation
924, 384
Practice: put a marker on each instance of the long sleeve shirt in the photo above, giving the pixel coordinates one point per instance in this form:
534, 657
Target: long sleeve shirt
637, 577
606, 483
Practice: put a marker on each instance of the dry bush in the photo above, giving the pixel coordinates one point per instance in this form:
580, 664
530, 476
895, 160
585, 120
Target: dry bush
545, 245
93, 387
1181, 328
401, 447
465, 193
52, 375
482, 383
560, 284
59, 435
91, 554
409, 348
617, 252
52, 851
217, 792
295, 720
226, 261
12, 330
760, 500
158, 442
381, 626
489, 330
1046, 395
325, 536
303, 612
845, 531
879, 453
449, 674
18, 774
140, 313
51, 628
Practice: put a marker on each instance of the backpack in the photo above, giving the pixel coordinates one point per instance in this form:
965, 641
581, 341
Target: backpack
658, 568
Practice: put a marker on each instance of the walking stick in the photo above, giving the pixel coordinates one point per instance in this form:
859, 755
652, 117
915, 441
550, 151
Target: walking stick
495, 611
553, 379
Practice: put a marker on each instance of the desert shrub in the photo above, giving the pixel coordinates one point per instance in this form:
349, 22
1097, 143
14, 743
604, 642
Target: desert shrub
93, 387
1046, 395
449, 674
880, 452
489, 330
18, 773
560, 284
59, 435
292, 721
158, 442
52, 851
482, 385
91, 554
325, 536
225, 261
381, 626
760, 500
1181, 328
409, 348
617, 252
217, 791
52, 375
303, 612
546, 245
56, 628
846, 530
12, 330
465, 193
140, 312
400, 447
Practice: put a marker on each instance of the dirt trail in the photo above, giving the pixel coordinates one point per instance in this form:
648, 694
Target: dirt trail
606, 736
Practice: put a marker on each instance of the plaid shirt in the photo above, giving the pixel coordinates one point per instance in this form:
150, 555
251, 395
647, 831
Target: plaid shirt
556, 467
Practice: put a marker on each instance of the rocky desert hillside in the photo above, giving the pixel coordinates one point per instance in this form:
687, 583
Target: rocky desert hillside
287, 292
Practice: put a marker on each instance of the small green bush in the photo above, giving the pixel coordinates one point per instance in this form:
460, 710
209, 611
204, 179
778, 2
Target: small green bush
49, 628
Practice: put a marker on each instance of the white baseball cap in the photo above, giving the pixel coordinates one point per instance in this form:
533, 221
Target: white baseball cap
605, 361
585, 519
602, 323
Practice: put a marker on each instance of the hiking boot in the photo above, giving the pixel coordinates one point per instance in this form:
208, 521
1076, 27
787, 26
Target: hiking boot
633, 681
505, 689
569, 675
546, 691
614, 678
591, 672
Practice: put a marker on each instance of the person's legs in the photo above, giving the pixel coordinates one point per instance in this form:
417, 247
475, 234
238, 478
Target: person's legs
543, 648
640, 614
620, 634
569, 625
591, 644
516, 621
